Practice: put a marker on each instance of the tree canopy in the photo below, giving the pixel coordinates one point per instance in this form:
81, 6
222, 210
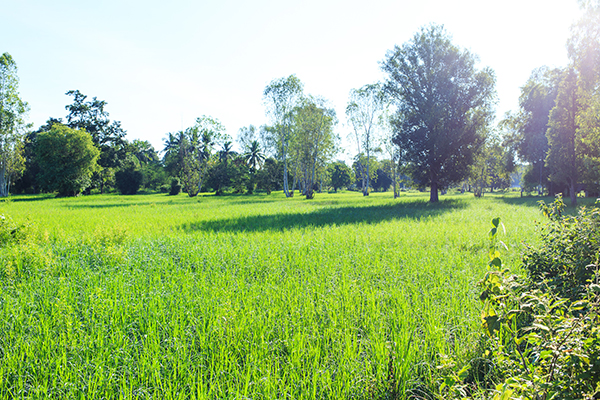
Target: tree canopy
67, 158
444, 106
364, 108
281, 97
12, 112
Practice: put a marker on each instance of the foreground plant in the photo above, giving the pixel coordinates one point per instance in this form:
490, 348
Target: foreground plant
543, 335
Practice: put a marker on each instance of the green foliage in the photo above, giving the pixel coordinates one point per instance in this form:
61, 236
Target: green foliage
67, 158
107, 136
444, 106
314, 141
281, 97
492, 168
12, 113
544, 340
526, 129
175, 187
360, 166
364, 109
188, 153
254, 156
129, 179
11, 232
341, 175
565, 158
569, 251
268, 177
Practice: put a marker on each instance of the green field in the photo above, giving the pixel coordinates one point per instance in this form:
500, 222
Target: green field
245, 297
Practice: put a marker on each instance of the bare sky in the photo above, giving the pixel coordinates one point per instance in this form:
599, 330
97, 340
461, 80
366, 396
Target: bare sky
159, 64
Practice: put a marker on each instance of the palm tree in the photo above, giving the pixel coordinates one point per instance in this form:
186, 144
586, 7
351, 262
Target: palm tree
226, 153
171, 145
254, 157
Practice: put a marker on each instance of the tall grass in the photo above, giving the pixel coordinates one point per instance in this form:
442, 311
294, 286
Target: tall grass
243, 297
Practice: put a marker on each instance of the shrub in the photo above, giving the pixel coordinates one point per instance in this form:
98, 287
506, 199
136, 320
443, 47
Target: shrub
570, 246
175, 187
11, 232
544, 329
128, 180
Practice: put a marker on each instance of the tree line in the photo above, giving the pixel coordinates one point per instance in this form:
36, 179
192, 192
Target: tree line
428, 125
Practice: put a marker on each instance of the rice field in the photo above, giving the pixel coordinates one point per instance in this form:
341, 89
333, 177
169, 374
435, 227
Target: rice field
245, 297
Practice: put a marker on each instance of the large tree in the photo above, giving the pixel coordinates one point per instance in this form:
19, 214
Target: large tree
66, 158
444, 106
281, 97
12, 112
315, 140
108, 137
364, 108
574, 123
584, 53
565, 158
526, 129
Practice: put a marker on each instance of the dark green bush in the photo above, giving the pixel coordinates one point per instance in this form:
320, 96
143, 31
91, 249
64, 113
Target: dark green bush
175, 187
128, 180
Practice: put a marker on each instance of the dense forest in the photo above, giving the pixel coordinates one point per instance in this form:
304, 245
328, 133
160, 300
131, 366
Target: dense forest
429, 124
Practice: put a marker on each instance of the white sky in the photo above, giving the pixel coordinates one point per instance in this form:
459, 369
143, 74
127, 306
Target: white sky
160, 64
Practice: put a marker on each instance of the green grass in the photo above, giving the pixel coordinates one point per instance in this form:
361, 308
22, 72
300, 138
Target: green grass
260, 297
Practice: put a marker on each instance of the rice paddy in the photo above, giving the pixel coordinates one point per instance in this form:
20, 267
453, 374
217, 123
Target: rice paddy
245, 297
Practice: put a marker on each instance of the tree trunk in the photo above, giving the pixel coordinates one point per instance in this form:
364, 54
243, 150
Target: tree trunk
366, 192
433, 194
394, 181
286, 189
4, 185
573, 194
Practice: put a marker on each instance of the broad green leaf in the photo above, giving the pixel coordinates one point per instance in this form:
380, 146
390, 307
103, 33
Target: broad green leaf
464, 372
579, 305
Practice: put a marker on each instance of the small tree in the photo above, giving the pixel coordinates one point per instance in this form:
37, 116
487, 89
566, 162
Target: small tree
67, 159
129, 177
341, 175
267, 178
364, 109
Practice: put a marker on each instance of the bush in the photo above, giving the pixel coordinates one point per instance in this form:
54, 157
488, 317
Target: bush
11, 232
175, 187
570, 246
128, 180
543, 329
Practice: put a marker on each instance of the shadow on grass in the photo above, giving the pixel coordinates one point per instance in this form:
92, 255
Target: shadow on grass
115, 205
175, 201
527, 201
327, 216
533, 201
30, 198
